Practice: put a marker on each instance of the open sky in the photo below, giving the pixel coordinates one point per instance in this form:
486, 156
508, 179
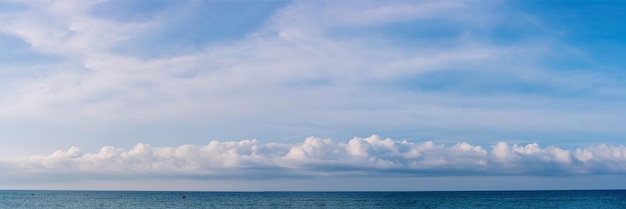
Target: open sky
312, 95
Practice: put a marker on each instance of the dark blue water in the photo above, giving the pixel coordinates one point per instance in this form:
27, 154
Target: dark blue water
133, 199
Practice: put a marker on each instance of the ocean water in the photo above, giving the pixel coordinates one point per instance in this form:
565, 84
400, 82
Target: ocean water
482, 199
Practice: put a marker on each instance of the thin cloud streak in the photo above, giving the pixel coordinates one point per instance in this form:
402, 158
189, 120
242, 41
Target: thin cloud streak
370, 156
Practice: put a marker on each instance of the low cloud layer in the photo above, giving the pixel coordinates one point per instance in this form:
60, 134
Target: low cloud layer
371, 156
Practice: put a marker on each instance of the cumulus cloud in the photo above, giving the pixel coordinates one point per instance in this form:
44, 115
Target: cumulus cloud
370, 156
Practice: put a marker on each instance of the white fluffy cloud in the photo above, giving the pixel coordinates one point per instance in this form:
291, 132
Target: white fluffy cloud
369, 156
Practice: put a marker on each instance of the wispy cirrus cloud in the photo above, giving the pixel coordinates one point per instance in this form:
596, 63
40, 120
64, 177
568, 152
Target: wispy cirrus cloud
333, 68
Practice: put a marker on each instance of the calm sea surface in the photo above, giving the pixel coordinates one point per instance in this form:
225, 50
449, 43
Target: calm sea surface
133, 199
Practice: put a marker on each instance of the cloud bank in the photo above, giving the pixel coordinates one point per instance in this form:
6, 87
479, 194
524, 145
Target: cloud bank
370, 156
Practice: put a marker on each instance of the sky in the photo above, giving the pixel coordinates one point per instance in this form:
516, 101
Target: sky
264, 95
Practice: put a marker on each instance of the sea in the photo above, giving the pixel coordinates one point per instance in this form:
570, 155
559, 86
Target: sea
178, 199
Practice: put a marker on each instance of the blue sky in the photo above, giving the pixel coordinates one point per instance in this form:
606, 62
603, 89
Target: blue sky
312, 95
